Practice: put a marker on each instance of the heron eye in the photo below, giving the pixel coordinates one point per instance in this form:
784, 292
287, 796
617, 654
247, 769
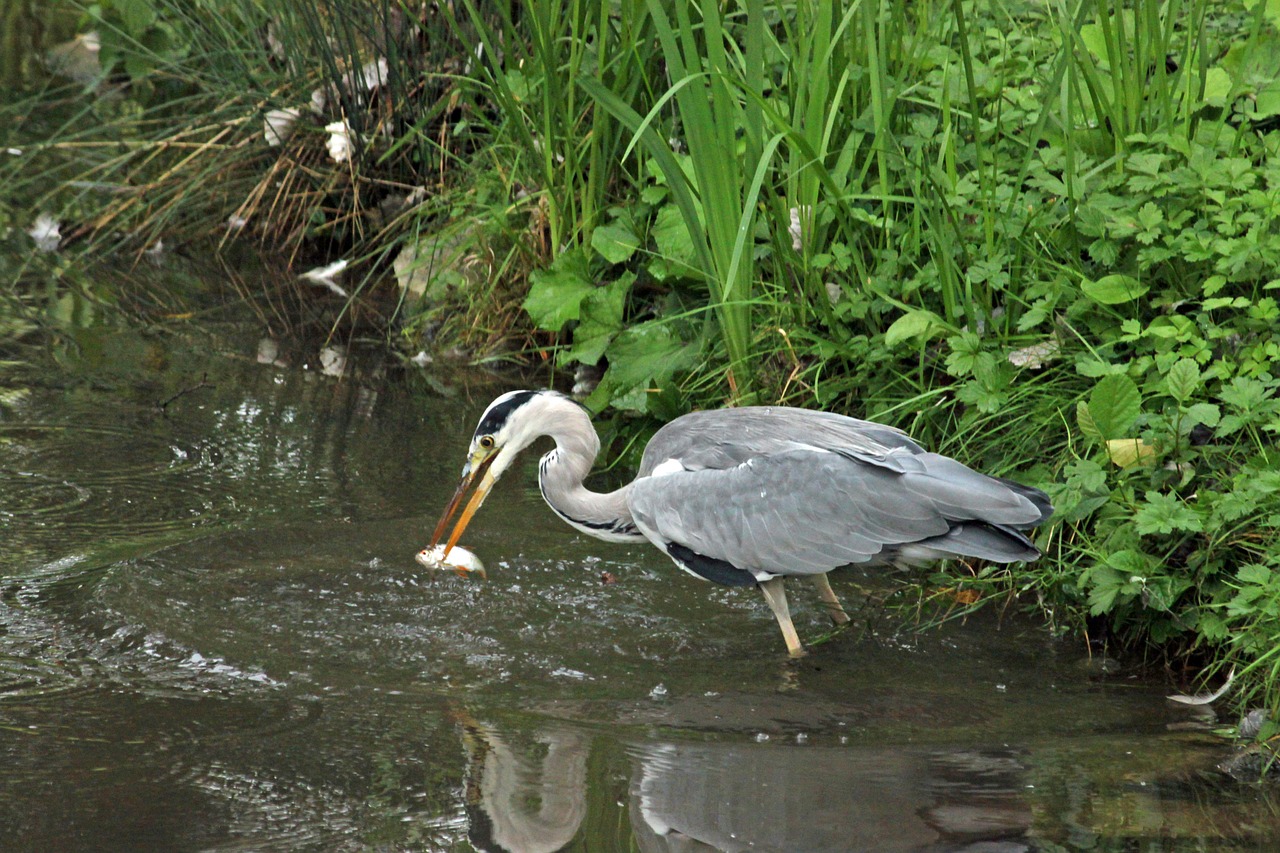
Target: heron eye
486, 441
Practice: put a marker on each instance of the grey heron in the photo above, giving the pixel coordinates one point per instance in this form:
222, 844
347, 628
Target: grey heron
750, 496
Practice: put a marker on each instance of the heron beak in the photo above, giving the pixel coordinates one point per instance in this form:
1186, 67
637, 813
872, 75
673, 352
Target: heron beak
474, 471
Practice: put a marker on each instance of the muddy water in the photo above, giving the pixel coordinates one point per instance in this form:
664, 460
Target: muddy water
214, 636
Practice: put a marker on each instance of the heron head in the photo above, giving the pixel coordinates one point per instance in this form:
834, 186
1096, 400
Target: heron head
510, 424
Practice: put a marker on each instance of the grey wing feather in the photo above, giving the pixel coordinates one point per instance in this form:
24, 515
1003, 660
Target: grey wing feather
794, 513
722, 438
790, 491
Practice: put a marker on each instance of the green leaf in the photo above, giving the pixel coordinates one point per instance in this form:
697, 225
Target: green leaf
1145, 163
965, 348
615, 242
556, 293
987, 398
1271, 10
917, 323
600, 320
1094, 38
1106, 583
136, 15
1086, 423
1254, 573
1217, 86
1183, 379
1114, 289
1084, 491
1150, 215
1133, 565
1162, 513
1254, 64
1114, 406
1204, 413
1212, 626
647, 354
653, 194
1094, 369
671, 235
1267, 104
1225, 302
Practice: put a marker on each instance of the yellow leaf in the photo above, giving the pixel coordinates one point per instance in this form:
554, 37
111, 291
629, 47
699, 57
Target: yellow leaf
1127, 452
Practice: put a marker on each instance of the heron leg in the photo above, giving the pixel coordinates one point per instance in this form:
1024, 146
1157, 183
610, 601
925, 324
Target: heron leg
777, 598
834, 609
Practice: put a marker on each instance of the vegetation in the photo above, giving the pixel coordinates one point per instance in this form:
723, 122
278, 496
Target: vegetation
1044, 237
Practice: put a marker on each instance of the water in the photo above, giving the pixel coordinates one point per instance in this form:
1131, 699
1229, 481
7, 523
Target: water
214, 636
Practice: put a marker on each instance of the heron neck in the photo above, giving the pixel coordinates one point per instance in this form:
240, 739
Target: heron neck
604, 515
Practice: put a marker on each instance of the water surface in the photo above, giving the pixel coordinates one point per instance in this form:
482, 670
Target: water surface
213, 636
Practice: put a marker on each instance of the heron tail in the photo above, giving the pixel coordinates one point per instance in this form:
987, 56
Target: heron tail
996, 542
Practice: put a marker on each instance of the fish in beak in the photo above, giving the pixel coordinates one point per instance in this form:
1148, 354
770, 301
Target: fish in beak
476, 469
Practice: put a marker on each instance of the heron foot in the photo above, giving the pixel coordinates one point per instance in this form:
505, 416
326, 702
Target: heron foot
834, 608
776, 596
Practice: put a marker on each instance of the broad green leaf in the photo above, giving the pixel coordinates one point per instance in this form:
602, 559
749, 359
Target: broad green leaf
615, 242
1271, 10
671, 235
1161, 593
1115, 404
1204, 413
647, 354
1254, 64
653, 194
517, 84
1183, 380
634, 400
1267, 102
556, 294
1114, 289
1087, 475
1244, 602
913, 324
1212, 626
599, 321
1094, 38
1217, 86
985, 397
1132, 565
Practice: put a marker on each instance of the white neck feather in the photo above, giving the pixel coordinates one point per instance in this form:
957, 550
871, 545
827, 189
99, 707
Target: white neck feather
562, 471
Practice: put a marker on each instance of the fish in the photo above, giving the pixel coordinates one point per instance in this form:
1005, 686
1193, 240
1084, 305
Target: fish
458, 559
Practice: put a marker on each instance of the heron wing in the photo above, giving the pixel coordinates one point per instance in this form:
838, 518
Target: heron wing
722, 438
807, 511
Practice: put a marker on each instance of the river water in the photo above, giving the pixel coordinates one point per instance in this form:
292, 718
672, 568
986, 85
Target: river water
214, 636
